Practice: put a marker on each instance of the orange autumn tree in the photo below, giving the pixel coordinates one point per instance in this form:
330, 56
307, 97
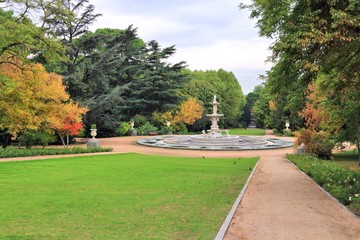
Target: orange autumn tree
312, 112
68, 121
32, 99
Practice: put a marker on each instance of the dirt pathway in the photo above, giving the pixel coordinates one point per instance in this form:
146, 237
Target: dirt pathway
127, 144
283, 203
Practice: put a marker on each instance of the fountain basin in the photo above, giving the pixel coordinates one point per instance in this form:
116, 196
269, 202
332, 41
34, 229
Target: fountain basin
209, 140
229, 143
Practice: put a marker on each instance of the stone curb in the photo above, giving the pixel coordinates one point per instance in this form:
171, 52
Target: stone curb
326, 192
220, 235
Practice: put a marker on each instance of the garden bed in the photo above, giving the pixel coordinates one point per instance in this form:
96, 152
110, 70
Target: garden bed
10, 152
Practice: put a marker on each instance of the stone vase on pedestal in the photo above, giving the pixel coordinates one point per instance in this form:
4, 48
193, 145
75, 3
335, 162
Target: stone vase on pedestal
93, 143
133, 131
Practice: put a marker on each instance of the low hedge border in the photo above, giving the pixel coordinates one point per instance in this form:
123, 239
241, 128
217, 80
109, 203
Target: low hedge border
12, 152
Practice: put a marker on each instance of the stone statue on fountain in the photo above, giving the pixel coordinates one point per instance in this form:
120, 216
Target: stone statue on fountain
214, 118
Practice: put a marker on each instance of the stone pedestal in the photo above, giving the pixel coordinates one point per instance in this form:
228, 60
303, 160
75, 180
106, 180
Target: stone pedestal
93, 143
301, 149
133, 132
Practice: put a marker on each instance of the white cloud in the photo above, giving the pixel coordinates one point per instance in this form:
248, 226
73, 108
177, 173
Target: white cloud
227, 54
208, 34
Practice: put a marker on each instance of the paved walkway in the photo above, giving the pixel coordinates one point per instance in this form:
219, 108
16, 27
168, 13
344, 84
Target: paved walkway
283, 203
280, 202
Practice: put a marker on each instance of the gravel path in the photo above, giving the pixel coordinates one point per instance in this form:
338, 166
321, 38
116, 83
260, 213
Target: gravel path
283, 203
280, 202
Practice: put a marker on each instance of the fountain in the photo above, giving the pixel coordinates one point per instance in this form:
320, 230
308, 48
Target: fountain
214, 135
213, 139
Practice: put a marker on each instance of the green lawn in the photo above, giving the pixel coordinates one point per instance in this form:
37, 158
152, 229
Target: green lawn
123, 196
349, 159
247, 131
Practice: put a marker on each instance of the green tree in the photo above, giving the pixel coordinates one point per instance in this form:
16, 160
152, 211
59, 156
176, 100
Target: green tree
111, 62
311, 38
250, 101
120, 76
157, 86
261, 110
21, 39
73, 20
203, 85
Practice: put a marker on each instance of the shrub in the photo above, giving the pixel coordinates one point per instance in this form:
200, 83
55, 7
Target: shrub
44, 138
123, 129
165, 130
181, 128
28, 138
316, 143
146, 128
16, 152
139, 120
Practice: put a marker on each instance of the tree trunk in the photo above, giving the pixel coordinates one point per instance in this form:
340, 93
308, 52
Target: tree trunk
358, 148
62, 140
67, 139
358, 145
5, 140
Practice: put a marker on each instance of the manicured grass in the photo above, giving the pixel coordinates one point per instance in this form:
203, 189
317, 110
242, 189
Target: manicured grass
342, 183
348, 159
122, 196
247, 131
10, 152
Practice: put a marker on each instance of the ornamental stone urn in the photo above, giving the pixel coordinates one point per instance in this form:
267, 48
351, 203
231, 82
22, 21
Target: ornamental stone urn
93, 133
133, 131
93, 143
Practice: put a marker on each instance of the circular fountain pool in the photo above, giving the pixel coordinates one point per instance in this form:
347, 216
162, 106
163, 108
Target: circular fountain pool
225, 143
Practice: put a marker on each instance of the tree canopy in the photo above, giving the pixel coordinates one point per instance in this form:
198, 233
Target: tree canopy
119, 76
315, 40
203, 85
21, 39
33, 99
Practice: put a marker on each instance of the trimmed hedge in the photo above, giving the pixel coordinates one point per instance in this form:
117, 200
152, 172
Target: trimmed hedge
10, 152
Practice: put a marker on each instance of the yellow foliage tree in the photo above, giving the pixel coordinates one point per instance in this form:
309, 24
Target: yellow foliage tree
188, 112
32, 98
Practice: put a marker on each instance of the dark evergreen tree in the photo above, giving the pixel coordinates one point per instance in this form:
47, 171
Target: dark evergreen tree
111, 60
157, 86
121, 76
70, 19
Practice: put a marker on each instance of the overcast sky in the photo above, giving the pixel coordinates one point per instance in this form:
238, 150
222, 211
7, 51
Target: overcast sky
208, 34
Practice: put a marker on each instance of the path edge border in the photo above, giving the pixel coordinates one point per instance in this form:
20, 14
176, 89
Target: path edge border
222, 231
326, 192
